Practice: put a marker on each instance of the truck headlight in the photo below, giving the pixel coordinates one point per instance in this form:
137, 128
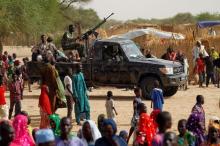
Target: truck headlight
167, 70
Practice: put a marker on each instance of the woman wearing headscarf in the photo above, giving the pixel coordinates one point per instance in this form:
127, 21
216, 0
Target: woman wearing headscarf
6, 133
100, 120
90, 133
22, 137
110, 138
45, 108
55, 124
50, 77
196, 121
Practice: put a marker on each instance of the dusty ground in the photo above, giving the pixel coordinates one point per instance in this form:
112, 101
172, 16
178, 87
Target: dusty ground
179, 105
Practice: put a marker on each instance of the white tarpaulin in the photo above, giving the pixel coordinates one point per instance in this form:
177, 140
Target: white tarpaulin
150, 31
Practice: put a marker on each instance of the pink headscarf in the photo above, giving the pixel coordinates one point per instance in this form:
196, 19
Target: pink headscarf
22, 137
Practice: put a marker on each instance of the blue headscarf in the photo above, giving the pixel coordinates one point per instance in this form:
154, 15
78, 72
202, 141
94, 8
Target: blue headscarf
112, 123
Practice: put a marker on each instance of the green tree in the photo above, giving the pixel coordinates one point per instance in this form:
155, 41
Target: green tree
67, 3
207, 16
182, 18
28, 17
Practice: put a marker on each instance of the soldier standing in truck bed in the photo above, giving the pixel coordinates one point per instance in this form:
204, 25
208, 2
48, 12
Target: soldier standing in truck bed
71, 41
39, 48
68, 39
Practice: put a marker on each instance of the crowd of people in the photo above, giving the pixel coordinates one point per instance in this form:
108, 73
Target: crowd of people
204, 68
46, 50
13, 77
148, 129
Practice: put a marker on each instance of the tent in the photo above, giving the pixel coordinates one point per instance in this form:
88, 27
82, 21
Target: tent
204, 24
150, 31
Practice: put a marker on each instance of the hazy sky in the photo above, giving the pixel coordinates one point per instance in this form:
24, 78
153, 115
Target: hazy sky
131, 9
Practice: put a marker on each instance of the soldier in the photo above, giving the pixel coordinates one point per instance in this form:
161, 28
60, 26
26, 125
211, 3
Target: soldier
116, 54
39, 48
50, 45
50, 50
68, 38
71, 42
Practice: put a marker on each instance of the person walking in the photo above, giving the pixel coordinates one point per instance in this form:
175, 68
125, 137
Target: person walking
80, 93
15, 89
196, 120
45, 108
157, 97
110, 106
69, 93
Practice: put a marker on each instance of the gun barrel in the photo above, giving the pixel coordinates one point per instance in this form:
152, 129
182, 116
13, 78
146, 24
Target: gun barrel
109, 16
85, 35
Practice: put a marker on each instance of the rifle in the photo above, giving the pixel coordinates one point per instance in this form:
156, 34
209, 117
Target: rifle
91, 31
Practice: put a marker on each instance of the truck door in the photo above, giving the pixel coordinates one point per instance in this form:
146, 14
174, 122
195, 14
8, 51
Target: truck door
98, 74
107, 68
112, 61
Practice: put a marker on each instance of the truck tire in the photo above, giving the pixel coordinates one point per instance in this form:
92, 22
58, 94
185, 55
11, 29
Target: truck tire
170, 91
146, 85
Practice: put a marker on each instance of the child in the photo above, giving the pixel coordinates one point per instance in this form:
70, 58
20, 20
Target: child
164, 121
110, 107
146, 131
213, 137
100, 120
124, 135
15, 88
137, 100
200, 69
185, 137
69, 92
170, 139
3, 106
30, 129
157, 97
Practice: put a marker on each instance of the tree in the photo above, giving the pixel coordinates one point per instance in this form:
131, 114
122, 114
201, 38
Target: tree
85, 17
182, 18
67, 3
207, 16
28, 19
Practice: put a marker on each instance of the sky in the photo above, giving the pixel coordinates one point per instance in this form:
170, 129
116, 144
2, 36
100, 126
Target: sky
132, 9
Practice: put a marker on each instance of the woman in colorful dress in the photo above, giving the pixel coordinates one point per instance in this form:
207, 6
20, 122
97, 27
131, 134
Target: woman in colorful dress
146, 129
196, 121
22, 137
45, 108
55, 124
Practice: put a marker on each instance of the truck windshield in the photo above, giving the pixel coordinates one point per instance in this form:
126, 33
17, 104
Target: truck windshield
132, 51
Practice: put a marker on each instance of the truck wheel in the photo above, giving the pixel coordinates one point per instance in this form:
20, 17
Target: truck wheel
147, 85
170, 91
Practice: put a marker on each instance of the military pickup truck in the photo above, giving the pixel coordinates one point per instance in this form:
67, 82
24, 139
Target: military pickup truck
119, 63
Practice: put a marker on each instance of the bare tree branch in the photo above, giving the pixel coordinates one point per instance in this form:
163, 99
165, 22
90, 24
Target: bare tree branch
62, 2
68, 3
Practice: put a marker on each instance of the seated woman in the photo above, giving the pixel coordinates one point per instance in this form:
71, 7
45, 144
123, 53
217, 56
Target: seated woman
110, 138
90, 133
22, 137
55, 124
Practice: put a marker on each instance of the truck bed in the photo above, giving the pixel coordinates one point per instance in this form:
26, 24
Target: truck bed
34, 69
